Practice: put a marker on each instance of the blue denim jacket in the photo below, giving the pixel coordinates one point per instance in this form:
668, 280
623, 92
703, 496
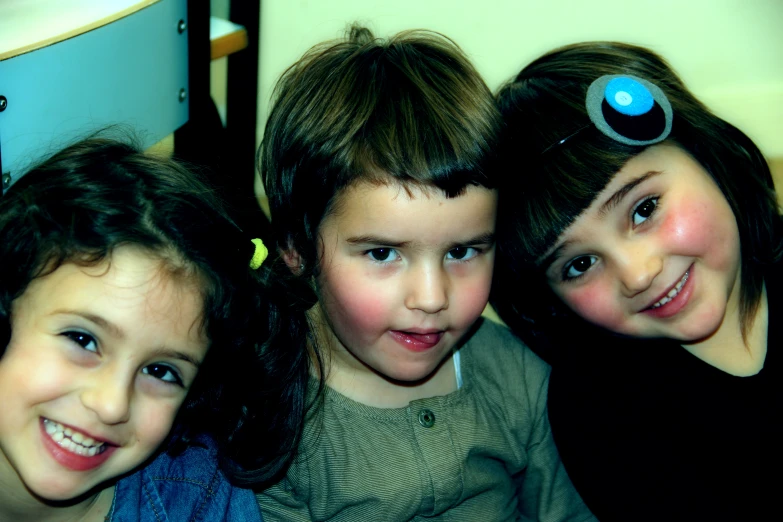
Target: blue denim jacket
189, 487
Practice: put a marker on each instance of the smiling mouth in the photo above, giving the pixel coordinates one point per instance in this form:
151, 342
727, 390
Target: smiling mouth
673, 292
73, 441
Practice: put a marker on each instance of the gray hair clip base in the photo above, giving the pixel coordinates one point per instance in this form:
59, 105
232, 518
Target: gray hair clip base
629, 109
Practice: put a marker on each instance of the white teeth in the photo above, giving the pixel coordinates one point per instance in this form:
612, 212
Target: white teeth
71, 440
673, 292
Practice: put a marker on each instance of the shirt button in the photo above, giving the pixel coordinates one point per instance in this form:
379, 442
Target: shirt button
426, 418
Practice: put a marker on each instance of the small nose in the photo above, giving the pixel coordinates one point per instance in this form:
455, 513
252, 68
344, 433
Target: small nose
428, 290
638, 268
108, 394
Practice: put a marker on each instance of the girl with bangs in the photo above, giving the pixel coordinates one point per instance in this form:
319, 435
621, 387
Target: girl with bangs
643, 262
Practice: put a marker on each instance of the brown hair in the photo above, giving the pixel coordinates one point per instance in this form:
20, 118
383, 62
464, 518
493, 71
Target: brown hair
411, 110
544, 105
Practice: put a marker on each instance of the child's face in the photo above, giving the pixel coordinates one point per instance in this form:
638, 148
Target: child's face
657, 254
99, 362
404, 277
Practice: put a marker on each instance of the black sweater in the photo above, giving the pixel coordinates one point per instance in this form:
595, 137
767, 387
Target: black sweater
649, 432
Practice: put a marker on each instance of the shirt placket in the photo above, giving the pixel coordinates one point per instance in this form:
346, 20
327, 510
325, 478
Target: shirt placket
440, 462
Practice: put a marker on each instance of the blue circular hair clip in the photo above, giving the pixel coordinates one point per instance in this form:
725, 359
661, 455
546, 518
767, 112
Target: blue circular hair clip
629, 109
629, 97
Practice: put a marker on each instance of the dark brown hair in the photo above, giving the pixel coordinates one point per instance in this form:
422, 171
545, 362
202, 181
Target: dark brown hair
547, 184
412, 110
99, 194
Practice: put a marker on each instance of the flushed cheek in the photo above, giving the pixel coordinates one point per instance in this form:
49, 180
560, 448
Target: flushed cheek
356, 307
598, 306
472, 300
704, 231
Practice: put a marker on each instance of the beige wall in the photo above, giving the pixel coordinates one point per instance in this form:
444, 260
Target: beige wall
730, 52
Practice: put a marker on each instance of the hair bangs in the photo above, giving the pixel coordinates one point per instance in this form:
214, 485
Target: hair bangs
568, 161
418, 130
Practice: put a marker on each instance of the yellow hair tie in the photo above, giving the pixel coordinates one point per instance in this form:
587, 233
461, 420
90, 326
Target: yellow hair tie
259, 255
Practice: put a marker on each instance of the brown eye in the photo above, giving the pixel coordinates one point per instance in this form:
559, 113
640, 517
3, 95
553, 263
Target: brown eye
463, 253
644, 210
579, 266
381, 254
163, 372
84, 340
458, 253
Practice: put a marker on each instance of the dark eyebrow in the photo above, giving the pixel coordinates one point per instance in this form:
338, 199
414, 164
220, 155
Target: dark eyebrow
481, 239
174, 354
112, 328
117, 332
613, 201
487, 238
374, 240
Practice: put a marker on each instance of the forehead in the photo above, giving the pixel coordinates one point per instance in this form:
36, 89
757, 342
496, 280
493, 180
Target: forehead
408, 208
132, 287
654, 159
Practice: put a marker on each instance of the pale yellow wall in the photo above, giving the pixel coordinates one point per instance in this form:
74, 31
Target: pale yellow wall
730, 52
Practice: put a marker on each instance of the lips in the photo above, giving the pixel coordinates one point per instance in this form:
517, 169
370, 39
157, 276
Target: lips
674, 299
72, 448
417, 341
671, 294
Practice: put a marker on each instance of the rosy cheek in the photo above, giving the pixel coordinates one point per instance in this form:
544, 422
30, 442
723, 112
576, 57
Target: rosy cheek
596, 305
363, 315
685, 228
696, 226
472, 301
358, 306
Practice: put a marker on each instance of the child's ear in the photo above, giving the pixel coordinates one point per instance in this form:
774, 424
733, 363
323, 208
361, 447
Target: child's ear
292, 258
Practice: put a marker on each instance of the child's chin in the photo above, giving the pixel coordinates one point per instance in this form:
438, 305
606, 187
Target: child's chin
63, 491
61, 495
411, 376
